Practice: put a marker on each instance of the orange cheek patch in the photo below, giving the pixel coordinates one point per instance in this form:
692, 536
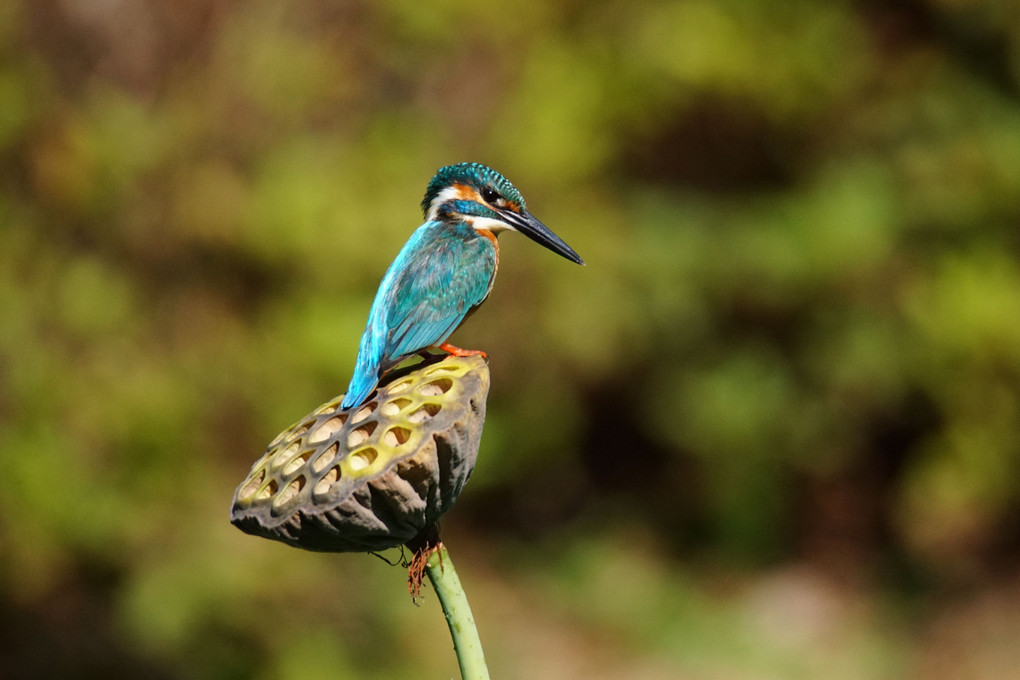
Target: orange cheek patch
466, 193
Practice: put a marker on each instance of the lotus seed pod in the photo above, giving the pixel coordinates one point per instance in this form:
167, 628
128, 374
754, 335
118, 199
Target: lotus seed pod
373, 476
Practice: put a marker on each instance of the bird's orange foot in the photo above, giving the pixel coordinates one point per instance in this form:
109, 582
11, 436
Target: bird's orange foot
458, 352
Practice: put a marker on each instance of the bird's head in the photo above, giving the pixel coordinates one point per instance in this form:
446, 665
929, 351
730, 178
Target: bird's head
486, 200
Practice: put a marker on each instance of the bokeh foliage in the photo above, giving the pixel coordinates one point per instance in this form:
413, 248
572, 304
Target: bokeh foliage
785, 390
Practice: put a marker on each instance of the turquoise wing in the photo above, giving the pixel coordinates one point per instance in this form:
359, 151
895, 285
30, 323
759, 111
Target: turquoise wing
440, 281
441, 273
435, 292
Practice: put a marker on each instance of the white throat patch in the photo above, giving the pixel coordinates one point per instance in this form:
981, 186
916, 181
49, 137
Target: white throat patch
487, 224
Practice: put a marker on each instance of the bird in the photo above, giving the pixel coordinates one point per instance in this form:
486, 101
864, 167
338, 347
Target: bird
444, 271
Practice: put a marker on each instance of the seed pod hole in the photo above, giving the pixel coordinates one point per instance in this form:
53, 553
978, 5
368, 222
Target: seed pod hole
327, 429
442, 368
268, 491
328, 480
289, 491
422, 414
360, 435
326, 408
434, 388
399, 386
362, 459
252, 485
392, 408
283, 457
297, 462
325, 458
363, 413
395, 436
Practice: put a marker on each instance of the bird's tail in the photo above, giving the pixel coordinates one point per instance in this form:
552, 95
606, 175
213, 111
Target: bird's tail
364, 380
357, 393
367, 369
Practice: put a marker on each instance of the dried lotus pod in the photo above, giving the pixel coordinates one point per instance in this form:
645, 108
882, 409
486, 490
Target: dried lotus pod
373, 476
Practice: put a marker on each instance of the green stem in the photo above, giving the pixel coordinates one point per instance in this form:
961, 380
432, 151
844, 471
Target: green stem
458, 615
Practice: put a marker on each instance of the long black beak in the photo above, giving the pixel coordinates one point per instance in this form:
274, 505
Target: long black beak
539, 233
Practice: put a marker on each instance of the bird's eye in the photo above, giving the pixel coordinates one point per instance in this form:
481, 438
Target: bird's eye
490, 195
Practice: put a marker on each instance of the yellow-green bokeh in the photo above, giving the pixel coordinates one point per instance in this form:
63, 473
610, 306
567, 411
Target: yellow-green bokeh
772, 429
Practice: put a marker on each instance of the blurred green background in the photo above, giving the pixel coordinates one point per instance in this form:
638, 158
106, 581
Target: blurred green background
772, 430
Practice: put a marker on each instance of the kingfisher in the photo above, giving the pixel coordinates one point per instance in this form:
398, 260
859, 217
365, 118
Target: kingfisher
444, 271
